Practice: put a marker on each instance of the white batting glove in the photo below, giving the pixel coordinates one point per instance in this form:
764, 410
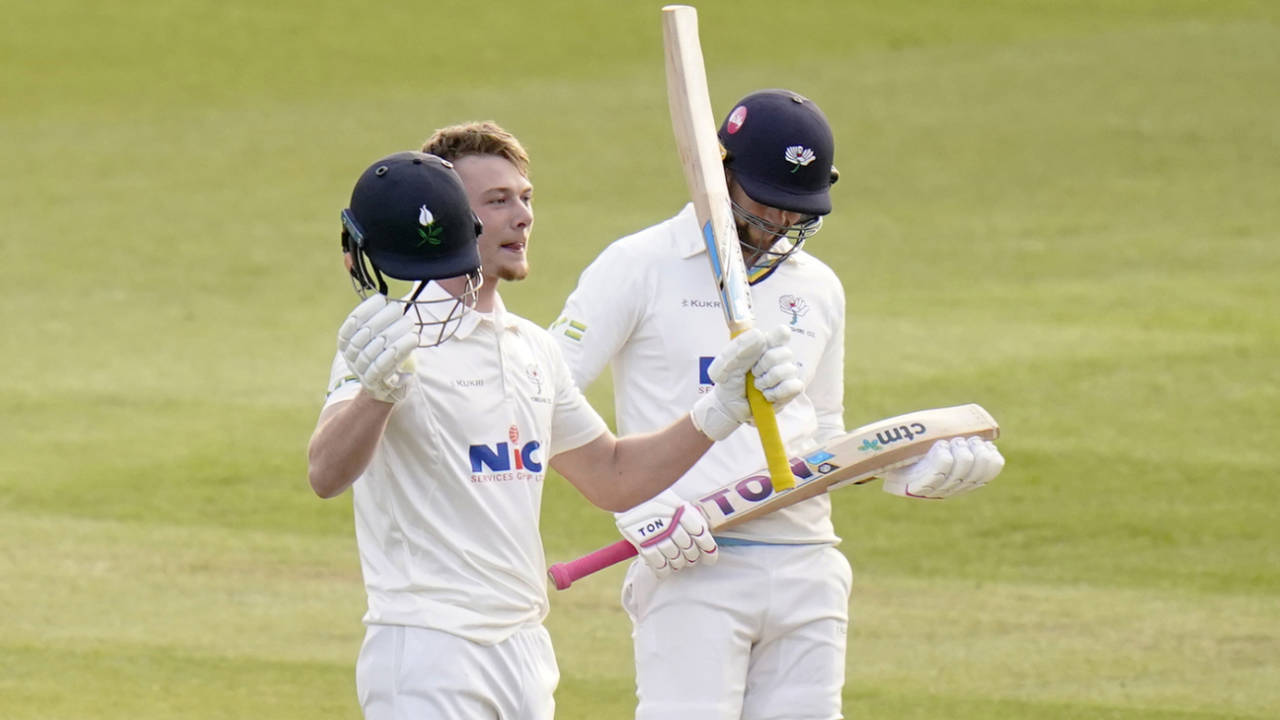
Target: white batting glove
669, 533
376, 340
951, 467
776, 372
718, 413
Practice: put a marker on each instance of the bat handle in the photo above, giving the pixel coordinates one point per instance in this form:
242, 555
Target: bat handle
775, 453
563, 574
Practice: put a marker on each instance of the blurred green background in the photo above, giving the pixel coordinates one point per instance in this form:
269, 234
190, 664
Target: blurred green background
1065, 211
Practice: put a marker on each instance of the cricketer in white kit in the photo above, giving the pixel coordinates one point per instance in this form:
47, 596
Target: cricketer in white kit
761, 634
445, 411
646, 305
439, 475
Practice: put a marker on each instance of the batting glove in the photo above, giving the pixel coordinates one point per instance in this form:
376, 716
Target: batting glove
669, 533
951, 467
768, 358
376, 340
776, 373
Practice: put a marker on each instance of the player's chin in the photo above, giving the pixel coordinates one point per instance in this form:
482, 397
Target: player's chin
513, 272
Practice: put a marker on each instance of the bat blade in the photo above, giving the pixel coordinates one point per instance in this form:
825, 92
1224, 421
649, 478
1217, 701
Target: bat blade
694, 126
851, 459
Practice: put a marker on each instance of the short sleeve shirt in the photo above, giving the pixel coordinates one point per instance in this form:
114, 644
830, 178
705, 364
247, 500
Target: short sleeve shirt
647, 305
447, 512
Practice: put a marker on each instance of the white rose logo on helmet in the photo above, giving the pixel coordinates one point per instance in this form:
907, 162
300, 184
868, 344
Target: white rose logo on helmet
429, 232
800, 156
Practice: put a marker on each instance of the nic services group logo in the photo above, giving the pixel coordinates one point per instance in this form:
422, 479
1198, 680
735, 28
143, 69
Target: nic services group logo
506, 461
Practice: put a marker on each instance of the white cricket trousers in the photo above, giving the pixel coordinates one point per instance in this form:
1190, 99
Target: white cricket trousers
760, 635
413, 673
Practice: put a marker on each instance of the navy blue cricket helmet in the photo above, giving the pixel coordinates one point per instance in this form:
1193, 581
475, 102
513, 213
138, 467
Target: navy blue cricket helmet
780, 148
409, 215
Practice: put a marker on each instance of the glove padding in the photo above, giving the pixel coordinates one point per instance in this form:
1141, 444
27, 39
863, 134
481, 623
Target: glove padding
768, 358
951, 467
668, 533
375, 340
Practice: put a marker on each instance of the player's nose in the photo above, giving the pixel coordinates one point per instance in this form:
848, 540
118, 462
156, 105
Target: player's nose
524, 216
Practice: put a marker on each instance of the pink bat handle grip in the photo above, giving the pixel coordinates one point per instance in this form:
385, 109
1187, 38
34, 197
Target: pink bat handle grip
563, 574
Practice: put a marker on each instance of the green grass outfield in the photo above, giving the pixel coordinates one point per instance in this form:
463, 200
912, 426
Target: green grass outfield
1066, 211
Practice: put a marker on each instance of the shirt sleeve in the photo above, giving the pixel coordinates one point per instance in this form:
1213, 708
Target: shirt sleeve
343, 384
601, 313
574, 422
826, 389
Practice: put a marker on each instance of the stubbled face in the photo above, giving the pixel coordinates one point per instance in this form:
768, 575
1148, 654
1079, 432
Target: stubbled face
756, 240
503, 200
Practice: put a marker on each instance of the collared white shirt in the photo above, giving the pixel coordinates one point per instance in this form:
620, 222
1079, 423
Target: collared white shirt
447, 512
648, 305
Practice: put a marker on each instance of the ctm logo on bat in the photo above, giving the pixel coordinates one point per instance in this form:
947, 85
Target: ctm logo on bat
902, 432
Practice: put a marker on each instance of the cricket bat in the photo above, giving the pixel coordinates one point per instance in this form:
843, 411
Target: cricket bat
700, 154
851, 459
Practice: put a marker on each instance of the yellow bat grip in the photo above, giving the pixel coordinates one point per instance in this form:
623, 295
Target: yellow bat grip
775, 453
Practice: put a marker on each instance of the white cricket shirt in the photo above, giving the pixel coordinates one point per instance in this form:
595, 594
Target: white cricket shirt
648, 305
447, 512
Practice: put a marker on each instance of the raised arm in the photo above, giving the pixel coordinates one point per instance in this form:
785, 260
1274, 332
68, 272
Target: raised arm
375, 340
343, 443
